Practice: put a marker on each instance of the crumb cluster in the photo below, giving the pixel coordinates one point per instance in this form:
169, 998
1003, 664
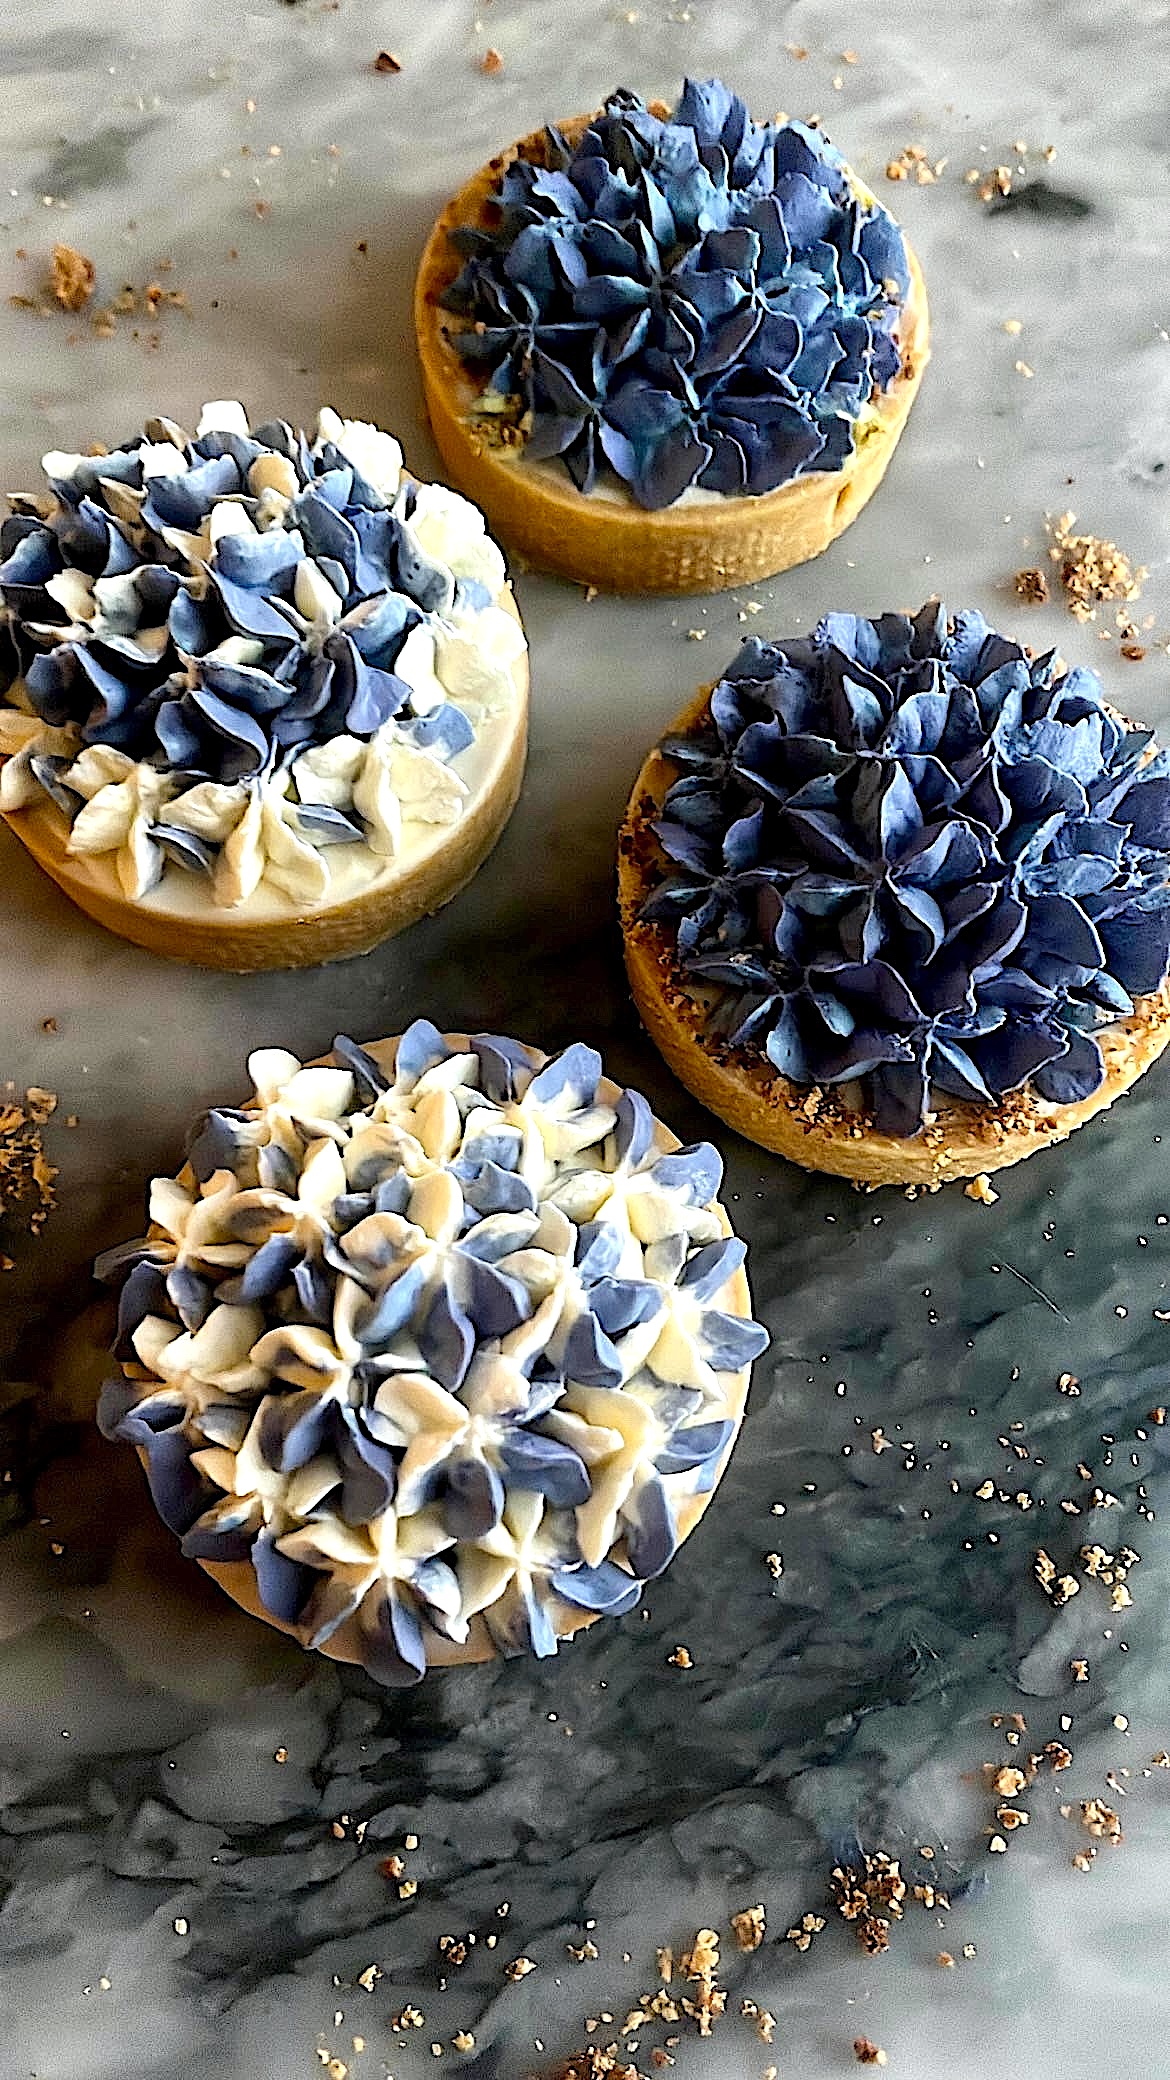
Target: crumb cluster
27, 1176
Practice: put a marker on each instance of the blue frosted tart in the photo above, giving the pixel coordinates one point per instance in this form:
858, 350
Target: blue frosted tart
907, 887
675, 331
434, 1352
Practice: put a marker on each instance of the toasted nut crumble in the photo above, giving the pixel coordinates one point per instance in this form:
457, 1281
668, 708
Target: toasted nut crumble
750, 1926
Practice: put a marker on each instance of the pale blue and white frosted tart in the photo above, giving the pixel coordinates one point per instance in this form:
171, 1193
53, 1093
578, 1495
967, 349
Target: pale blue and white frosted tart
435, 1352
266, 695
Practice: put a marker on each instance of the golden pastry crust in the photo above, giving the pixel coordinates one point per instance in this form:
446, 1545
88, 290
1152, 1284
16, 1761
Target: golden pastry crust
812, 1127
178, 920
237, 1578
611, 542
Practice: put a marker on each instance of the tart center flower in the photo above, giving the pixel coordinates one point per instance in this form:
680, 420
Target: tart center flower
434, 1346
908, 857
695, 300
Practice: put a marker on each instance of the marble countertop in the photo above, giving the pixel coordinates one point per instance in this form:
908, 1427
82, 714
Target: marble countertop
175, 1899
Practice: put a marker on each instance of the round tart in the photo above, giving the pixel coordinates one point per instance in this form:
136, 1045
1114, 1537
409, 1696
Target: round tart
267, 696
669, 352
896, 898
436, 1352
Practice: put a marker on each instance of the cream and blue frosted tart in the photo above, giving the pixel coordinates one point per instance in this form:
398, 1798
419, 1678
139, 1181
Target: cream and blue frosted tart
267, 695
896, 897
669, 350
434, 1352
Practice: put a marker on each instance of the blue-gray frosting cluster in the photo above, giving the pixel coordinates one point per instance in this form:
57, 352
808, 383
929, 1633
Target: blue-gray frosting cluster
432, 1346
206, 656
909, 855
696, 300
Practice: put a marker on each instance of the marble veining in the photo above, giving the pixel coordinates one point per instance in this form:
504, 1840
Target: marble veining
173, 1900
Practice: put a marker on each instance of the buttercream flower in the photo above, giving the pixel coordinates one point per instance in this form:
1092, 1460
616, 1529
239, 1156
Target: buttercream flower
689, 300
953, 863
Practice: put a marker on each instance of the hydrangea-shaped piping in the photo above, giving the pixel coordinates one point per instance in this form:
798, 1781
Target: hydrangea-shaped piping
907, 856
232, 653
442, 1345
690, 300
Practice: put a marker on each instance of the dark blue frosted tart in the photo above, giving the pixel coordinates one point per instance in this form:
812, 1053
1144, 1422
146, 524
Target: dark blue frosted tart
896, 897
433, 1352
669, 350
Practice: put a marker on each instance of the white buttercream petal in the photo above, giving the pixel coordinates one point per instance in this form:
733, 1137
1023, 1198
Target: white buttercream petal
106, 820
376, 801
415, 663
73, 590
210, 810
222, 415
95, 767
375, 454
314, 596
428, 790
270, 1069
293, 866
240, 865
327, 773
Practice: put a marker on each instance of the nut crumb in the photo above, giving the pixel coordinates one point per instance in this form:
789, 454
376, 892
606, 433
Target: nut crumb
981, 1187
491, 61
867, 2053
519, 1968
387, 61
72, 278
681, 1658
1092, 570
750, 1926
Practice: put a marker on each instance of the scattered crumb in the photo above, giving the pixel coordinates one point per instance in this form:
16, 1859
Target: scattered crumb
1022, 369
801, 1935
867, 2053
519, 1967
988, 185
981, 1188
1092, 570
491, 61
463, 2040
1013, 326
945, 1959
26, 1174
387, 61
750, 1927
913, 164
1100, 1820
681, 1658
72, 279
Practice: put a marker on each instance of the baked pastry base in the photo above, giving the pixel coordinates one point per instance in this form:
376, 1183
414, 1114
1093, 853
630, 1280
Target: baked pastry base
702, 544
237, 1578
813, 1127
179, 920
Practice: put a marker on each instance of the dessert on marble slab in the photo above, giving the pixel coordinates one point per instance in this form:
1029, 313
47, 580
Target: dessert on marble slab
896, 897
669, 351
267, 695
433, 1352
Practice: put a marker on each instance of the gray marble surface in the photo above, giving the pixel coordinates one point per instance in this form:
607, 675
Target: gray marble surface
173, 1902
